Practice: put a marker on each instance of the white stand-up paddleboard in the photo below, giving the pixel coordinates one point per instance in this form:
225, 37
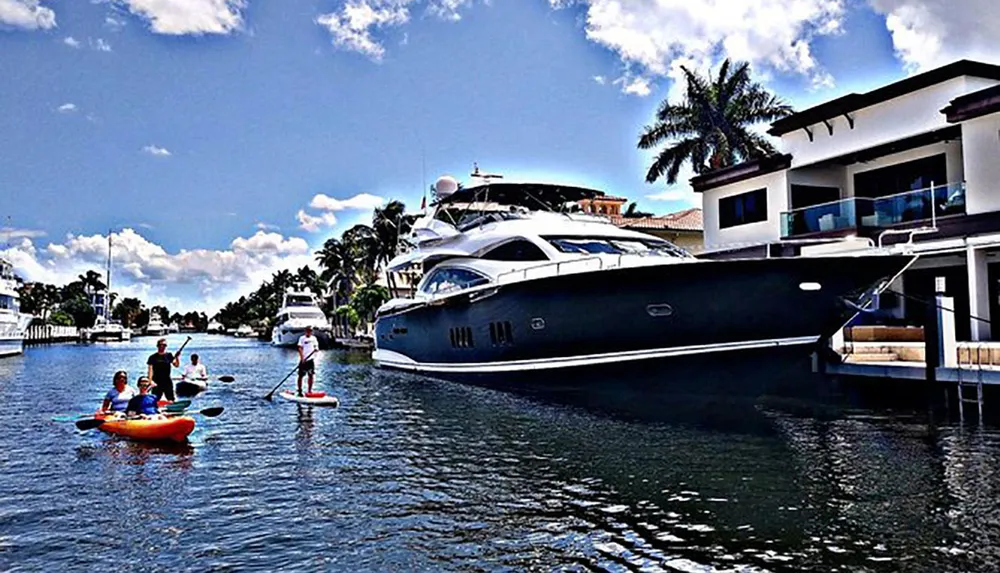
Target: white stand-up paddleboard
311, 398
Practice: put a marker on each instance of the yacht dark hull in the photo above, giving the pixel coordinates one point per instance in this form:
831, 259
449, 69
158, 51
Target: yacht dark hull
562, 326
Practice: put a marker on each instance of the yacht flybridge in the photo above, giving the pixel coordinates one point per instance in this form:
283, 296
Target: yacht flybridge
516, 279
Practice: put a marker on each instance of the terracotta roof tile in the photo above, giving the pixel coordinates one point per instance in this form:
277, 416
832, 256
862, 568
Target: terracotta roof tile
687, 220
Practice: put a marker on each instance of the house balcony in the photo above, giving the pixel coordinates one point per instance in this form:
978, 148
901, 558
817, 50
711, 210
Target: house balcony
858, 214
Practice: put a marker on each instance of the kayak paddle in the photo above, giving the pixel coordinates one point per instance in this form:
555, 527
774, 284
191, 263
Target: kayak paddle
178, 406
210, 412
227, 378
273, 390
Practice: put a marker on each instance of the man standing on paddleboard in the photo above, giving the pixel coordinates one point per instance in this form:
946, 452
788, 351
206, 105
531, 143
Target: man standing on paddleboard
307, 346
159, 364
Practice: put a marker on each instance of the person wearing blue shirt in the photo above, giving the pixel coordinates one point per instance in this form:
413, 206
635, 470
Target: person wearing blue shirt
117, 399
145, 404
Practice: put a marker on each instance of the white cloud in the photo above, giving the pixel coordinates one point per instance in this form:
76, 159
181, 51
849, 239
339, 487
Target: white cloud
196, 17
11, 233
930, 33
142, 268
145, 226
26, 14
638, 86
156, 151
67, 108
601, 80
653, 35
314, 223
359, 201
352, 27
114, 23
71, 42
266, 226
101, 45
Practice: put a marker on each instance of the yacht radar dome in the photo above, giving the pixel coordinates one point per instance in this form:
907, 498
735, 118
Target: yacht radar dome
445, 186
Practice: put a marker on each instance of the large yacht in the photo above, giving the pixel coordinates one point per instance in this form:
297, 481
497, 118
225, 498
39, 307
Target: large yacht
299, 309
13, 322
517, 280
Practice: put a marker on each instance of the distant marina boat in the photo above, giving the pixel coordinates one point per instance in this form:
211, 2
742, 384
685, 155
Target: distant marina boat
13, 322
155, 327
173, 327
105, 329
299, 309
215, 327
244, 331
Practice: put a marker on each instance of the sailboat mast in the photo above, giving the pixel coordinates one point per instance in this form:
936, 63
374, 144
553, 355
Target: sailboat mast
107, 303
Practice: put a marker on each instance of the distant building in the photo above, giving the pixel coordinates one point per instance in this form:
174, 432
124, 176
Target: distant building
683, 228
606, 205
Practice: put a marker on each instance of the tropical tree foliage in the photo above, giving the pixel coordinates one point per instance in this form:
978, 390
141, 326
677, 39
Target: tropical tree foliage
711, 127
633, 212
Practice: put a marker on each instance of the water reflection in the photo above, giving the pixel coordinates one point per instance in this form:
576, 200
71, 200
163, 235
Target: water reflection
413, 474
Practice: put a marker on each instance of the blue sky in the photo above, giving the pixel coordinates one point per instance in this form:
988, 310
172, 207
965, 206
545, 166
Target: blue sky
207, 127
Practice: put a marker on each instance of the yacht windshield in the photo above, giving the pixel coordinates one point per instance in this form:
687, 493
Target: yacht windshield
614, 246
296, 314
299, 300
446, 280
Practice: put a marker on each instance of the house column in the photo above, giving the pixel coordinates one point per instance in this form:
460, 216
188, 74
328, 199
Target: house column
979, 293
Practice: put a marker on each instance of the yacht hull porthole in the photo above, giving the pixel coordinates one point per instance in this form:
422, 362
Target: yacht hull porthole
537, 323
657, 310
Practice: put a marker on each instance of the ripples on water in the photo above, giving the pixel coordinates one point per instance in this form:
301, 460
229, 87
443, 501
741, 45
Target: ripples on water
410, 474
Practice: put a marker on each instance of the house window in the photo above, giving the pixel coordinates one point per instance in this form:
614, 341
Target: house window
902, 177
742, 209
809, 195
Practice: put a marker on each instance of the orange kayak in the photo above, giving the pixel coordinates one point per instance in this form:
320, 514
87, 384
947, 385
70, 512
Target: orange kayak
174, 428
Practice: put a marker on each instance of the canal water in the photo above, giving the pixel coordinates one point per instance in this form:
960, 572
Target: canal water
416, 475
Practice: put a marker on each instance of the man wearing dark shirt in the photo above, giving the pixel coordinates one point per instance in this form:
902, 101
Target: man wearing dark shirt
159, 364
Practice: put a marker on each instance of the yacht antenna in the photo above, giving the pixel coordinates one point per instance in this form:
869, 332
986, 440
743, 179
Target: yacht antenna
486, 177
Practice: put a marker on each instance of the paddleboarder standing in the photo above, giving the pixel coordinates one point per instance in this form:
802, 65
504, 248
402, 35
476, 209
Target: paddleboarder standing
308, 344
158, 370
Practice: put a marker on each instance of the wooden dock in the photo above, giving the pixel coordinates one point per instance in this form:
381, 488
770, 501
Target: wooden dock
48, 334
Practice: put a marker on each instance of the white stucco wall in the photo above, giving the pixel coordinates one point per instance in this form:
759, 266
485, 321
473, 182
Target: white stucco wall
905, 116
769, 230
981, 139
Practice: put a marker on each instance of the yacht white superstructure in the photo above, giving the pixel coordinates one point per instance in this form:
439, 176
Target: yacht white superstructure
299, 309
155, 327
13, 322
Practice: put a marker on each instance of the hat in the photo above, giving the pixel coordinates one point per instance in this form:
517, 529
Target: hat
144, 382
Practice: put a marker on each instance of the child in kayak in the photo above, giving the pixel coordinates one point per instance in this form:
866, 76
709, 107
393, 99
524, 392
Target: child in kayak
144, 404
117, 399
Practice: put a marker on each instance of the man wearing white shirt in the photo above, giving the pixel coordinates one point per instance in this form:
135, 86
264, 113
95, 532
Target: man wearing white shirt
195, 370
308, 344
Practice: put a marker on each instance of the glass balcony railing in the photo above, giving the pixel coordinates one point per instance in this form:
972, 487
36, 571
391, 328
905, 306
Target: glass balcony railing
916, 205
861, 212
833, 216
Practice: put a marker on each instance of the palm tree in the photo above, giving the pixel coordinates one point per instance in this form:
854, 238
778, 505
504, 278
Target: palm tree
633, 212
92, 281
710, 128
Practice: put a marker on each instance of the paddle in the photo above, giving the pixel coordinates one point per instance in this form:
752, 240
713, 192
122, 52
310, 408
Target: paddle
273, 390
225, 378
91, 423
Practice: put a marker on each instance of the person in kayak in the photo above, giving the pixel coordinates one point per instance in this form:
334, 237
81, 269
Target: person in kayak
196, 370
117, 398
144, 403
158, 370
307, 345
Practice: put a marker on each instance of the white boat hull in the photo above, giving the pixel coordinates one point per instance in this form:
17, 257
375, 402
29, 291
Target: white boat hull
12, 328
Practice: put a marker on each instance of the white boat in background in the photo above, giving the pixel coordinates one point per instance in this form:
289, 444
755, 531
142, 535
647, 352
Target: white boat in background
299, 309
155, 326
173, 327
13, 322
215, 327
244, 331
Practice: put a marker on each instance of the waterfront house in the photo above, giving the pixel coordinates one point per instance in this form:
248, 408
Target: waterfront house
916, 160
